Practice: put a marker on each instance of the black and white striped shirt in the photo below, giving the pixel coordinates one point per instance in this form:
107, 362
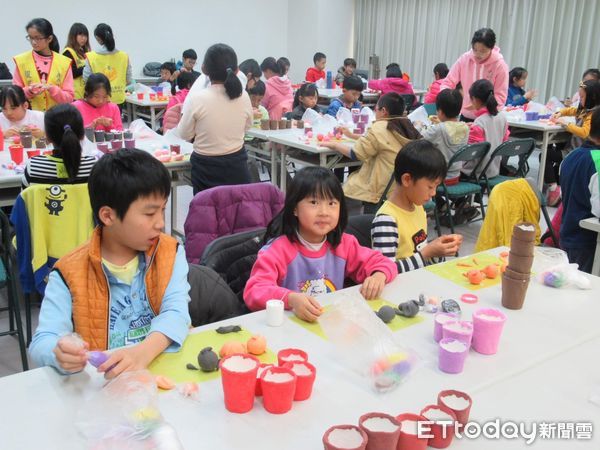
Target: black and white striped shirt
50, 169
384, 236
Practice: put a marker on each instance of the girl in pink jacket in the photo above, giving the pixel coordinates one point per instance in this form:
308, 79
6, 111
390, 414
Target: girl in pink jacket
393, 82
279, 95
309, 253
483, 61
440, 71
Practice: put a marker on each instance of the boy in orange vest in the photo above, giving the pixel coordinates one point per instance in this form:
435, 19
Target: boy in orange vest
125, 289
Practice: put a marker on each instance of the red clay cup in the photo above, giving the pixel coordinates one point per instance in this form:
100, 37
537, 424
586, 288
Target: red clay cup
278, 396
117, 144
239, 383
140, 96
304, 382
261, 368
486, 330
442, 433
33, 152
152, 97
291, 355
16, 154
409, 438
462, 415
329, 444
175, 148
380, 439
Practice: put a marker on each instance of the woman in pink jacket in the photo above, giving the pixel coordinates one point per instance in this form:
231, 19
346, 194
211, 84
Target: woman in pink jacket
279, 96
483, 61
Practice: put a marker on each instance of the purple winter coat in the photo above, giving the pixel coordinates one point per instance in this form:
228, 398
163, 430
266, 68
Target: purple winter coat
225, 210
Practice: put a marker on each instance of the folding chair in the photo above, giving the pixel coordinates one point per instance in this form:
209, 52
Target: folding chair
516, 147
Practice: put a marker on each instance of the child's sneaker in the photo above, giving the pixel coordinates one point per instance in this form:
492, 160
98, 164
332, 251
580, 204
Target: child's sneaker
553, 195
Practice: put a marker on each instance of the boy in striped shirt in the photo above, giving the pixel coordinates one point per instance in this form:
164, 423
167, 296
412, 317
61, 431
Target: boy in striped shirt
399, 229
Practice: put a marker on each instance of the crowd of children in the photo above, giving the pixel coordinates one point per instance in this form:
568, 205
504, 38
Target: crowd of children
306, 251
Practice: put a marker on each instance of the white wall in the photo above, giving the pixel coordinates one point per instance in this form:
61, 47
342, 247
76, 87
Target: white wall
154, 30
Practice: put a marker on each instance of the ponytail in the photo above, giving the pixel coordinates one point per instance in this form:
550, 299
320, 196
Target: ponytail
105, 34
306, 90
54, 45
491, 103
483, 90
233, 85
64, 127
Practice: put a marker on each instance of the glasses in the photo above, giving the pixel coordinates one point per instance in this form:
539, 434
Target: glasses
32, 39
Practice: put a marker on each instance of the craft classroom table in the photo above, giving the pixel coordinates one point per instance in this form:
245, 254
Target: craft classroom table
134, 111
556, 331
368, 96
593, 224
293, 149
550, 134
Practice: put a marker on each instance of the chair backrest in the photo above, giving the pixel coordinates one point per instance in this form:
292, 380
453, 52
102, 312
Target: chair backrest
430, 108
515, 147
226, 210
49, 221
211, 299
233, 256
471, 152
360, 227
409, 101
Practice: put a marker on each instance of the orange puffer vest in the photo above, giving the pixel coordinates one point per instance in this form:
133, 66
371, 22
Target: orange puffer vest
84, 276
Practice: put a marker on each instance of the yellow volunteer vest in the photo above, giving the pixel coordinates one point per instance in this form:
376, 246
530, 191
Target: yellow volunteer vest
58, 70
114, 66
78, 83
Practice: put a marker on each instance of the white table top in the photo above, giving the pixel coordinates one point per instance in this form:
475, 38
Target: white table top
591, 223
534, 125
546, 349
145, 102
291, 138
335, 93
147, 80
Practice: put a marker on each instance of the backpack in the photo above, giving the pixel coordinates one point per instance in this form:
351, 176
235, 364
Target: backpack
152, 69
4, 72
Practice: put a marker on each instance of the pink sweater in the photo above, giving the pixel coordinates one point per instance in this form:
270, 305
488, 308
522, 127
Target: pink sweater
90, 113
397, 85
283, 267
279, 97
60, 94
467, 70
179, 97
434, 90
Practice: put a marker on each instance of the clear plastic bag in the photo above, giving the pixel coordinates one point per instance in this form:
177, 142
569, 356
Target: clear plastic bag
554, 104
563, 276
365, 344
124, 415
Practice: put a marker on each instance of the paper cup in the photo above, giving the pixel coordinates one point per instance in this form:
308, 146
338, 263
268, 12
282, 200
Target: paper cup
41, 143
16, 153
461, 330
487, 329
278, 388
89, 133
175, 148
265, 124
102, 146
305, 378
409, 439
518, 263
238, 377
517, 275
108, 136
524, 231
99, 135
300, 124
274, 311
129, 143
438, 323
458, 402
292, 355
261, 369
521, 248
140, 96
118, 135
117, 144
345, 437
32, 153
283, 124
513, 291
26, 139
452, 355
152, 97
443, 433
307, 128
382, 430
274, 124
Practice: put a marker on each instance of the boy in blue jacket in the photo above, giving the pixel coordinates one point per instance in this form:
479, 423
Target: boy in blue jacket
126, 289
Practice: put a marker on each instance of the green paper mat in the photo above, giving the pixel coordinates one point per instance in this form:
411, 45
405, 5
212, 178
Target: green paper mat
451, 270
396, 324
172, 365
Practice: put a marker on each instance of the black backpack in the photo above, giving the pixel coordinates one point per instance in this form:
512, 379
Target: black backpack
152, 69
5, 73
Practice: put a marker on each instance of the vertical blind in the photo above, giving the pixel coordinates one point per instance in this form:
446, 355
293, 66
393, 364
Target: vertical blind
555, 40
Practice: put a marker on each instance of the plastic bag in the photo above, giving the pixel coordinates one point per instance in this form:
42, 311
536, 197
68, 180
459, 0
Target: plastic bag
554, 104
564, 275
344, 118
143, 89
124, 415
370, 114
537, 107
365, 344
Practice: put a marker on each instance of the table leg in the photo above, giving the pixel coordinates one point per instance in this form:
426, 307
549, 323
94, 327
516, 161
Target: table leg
596, 266
274, 171
543, 158
283, 172
129, 114
153, 118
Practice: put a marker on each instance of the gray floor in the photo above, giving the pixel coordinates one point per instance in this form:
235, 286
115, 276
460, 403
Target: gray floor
9, 348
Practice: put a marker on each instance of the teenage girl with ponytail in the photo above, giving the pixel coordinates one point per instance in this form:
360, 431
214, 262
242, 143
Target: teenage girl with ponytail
64, 130
43, 73
489, 126
109, 61
216, 120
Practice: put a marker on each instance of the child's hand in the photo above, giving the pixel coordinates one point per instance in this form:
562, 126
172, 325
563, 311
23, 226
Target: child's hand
373, 286
36, 132
304, 306
562, 121
556, 115
257, 113
104, 121
530, 94
567, 101
434, 119
12, 131
124, 360
70, 354
443, 246
36, 88
328, 144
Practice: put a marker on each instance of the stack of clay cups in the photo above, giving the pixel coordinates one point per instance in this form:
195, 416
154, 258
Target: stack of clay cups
515, 279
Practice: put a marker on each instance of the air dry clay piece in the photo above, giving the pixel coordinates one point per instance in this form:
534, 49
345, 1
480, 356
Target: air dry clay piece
256, 345
386, 313
408, 309
345, 437
231, 347
208, 361
228, 329
382, 431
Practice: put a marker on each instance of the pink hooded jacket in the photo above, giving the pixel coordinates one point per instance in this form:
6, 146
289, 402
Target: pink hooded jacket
279, 97
397, 85
467, 70
434, 90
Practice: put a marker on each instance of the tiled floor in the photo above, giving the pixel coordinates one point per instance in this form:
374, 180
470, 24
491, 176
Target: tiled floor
9, 349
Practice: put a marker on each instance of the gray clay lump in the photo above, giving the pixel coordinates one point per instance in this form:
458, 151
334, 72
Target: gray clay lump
229, 329
386, 313
208, 360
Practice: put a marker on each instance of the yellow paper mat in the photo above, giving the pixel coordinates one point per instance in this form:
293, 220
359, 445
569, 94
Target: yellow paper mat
173, 365
397, 323
454, 270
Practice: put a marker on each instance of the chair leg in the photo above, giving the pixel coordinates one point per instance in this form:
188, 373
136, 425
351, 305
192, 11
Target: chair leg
549, 224
13, 300
436, 217
482, 207
28, 317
